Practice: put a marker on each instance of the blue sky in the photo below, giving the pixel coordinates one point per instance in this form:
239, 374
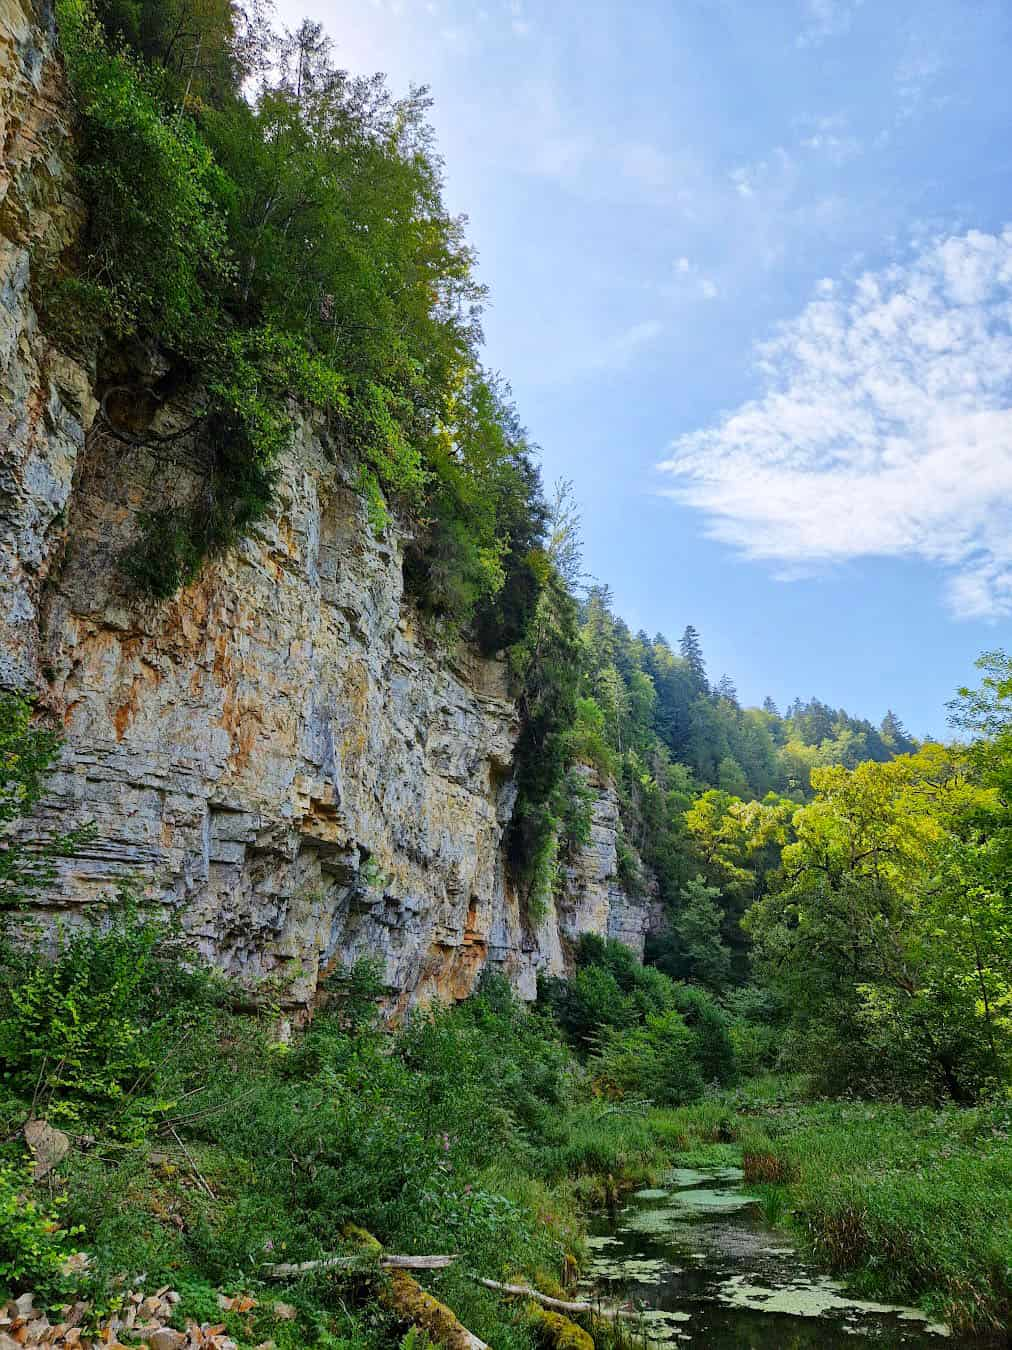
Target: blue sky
751, 283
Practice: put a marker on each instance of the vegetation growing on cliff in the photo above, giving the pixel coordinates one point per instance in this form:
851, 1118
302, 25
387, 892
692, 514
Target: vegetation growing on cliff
289, 245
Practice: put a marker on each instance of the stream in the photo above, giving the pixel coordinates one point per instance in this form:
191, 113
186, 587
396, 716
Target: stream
695, 1256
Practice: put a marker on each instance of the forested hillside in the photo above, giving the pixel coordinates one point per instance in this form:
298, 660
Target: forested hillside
694, 768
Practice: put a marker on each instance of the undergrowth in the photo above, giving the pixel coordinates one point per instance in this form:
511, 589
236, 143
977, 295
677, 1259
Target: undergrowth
203, 1150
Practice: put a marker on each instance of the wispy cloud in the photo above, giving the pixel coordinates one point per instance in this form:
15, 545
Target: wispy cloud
618, 352
776, 175
689, 279
831, 138
826, 19
884, 428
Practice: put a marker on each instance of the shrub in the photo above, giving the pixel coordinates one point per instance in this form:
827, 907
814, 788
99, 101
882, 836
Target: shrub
656, 1061
83, 1032
612, 991
713, 1048
34, 1247
590, 1000
755, 1025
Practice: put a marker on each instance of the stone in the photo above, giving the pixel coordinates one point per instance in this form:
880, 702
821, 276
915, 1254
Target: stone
166, 1339
593, 900
48, 1146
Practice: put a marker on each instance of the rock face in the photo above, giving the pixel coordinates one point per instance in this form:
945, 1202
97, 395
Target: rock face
279, 753
593, 900
45, 401
277, 750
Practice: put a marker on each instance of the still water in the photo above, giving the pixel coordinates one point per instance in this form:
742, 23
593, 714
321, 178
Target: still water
695, 1256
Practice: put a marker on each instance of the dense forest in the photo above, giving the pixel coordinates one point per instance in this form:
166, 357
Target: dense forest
266, 241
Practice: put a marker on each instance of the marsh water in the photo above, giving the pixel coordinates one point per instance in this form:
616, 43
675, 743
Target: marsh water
696, 1257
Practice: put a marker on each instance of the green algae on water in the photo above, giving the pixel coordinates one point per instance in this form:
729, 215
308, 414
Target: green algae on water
814, 1298
697, 1176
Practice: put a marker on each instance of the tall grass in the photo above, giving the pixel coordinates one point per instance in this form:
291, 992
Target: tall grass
914, 1204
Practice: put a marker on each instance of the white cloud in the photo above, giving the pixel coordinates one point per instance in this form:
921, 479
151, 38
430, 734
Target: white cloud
519, 24
832, 138
826, 19
884, 428
689, 281
775, 177
618, 352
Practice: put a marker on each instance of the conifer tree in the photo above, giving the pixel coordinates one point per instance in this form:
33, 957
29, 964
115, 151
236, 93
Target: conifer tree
726, 689
692, 654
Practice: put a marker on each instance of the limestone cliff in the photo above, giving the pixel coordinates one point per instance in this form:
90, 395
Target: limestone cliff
280, 752
593, 900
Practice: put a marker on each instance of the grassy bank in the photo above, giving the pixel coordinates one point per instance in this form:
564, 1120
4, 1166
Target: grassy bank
912, 1204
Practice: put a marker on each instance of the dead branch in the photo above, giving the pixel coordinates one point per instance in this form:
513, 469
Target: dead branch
557, 1304
150, 438
388, 1261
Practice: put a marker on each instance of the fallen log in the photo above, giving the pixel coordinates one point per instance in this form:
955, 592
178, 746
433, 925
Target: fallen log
558, 1330
558, 1304
403, 1295
388, 1261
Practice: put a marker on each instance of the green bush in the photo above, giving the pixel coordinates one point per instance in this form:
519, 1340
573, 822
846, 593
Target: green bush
756, 1027
34, 1246
713, 1048
656, 1060
592, 999
84, 1031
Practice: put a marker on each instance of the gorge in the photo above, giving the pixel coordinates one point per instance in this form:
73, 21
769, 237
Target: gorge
397, 949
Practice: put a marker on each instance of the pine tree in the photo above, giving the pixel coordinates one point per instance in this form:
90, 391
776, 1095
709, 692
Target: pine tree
726, 689
692, 654
896, 736
770, 707
698, 927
